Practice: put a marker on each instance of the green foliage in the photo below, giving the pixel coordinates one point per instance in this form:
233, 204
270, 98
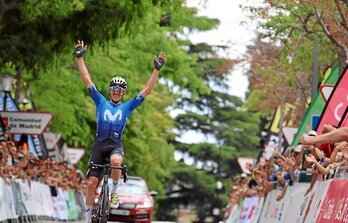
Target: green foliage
61, 93
33, 33
194, 187
36, 10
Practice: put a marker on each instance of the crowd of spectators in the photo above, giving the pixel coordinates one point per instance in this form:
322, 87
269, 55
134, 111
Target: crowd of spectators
319, 155
17, 163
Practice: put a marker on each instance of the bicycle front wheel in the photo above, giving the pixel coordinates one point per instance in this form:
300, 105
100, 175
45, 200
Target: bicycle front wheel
104, 206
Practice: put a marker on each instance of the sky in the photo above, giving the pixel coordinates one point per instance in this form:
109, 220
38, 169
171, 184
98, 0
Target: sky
230, 32
236, 30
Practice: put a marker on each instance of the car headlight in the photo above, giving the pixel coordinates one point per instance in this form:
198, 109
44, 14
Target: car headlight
146, 204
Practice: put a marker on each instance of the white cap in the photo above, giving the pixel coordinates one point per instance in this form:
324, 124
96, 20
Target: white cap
312, 133
243, 175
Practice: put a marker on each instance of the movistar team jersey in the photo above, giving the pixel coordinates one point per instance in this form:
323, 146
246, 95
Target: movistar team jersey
111, 119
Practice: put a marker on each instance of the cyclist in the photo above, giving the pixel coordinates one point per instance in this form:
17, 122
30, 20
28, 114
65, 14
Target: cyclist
111, 119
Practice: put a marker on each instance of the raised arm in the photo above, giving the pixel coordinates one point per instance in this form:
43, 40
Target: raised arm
159, 62
323, 170
339, 148
337, 135
80, 49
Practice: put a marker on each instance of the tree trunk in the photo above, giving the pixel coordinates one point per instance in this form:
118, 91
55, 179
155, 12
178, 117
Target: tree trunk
19, 78
342, 59
281, 120
315, 69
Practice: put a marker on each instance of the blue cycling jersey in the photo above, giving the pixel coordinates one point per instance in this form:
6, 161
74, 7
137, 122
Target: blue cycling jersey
111, 118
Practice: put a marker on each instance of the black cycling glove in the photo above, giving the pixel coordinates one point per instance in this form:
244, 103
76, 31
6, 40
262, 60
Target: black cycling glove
159, 62
79, 51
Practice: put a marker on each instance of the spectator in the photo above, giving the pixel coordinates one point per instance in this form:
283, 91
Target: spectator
327, 148
17, 163
331, 135
342, 161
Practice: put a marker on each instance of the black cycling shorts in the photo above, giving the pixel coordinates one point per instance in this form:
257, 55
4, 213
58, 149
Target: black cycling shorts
100, 152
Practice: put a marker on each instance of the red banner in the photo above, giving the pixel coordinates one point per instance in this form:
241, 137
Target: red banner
344, 120
335, 206
336, 105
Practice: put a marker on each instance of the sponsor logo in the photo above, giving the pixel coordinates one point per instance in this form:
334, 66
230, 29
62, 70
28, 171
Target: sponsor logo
112, 117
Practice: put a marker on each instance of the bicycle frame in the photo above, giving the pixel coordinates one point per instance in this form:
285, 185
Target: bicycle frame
100, 213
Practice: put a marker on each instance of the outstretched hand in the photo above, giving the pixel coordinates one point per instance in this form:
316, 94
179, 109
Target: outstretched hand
160, 60
342, 146
310, 158
304, 139
80, 49
333, 165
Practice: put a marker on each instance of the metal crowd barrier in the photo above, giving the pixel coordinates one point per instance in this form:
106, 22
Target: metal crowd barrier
341, 172
304, 176
18, 205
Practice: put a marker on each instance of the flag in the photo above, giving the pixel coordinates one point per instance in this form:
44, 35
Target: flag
312, 115
344, 119
336, 105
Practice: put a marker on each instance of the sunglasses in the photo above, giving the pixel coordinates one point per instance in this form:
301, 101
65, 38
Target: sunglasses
117, 88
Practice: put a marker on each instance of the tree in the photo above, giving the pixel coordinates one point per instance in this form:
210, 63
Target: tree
275, 79
322, 20
282, 57
33, 34
217, 115
332, 17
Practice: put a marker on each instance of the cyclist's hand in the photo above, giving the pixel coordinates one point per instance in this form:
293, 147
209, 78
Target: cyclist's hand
80, 49
160, 60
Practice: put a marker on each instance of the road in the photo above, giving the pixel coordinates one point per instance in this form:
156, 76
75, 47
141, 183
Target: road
52, 221
151, 222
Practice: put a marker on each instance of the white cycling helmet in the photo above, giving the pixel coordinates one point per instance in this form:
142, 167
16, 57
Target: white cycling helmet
118, 81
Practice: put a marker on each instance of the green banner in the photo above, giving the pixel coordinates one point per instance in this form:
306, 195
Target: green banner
316, 107
71, 205
237, 212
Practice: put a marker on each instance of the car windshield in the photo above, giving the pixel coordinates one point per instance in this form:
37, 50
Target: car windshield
131, 189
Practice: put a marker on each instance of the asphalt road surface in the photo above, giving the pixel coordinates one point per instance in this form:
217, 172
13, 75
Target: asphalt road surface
151, 222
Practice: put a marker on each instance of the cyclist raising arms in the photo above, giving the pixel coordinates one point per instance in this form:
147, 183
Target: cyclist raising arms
111, 119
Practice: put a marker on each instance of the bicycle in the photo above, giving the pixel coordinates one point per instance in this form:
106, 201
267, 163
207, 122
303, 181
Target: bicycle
100, 213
